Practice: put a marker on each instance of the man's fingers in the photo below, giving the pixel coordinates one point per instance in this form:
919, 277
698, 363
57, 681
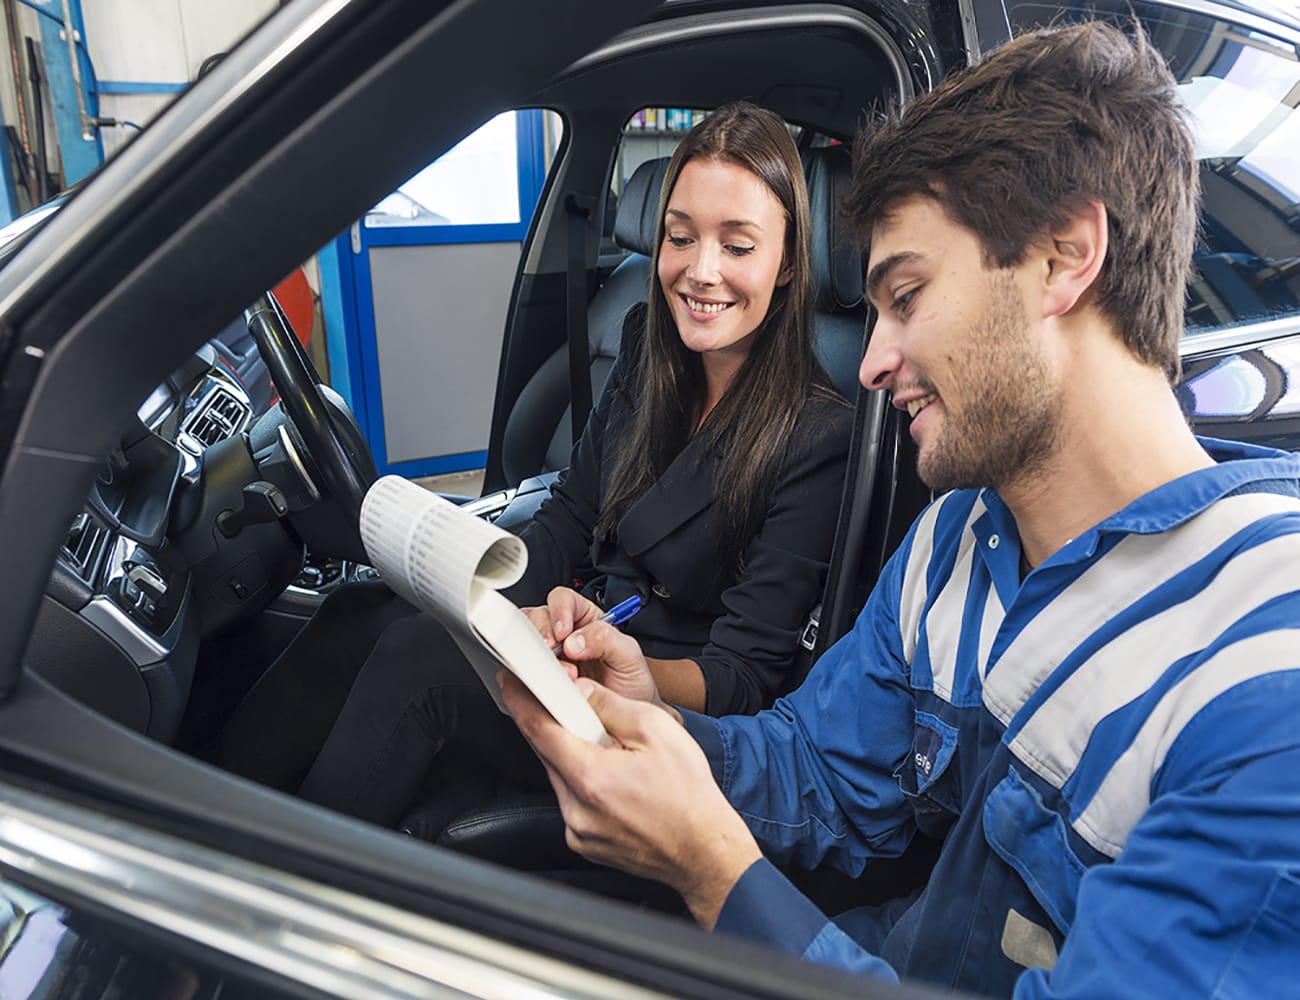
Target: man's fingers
623, 718
578, 819
521, 703
563, 794
555, 745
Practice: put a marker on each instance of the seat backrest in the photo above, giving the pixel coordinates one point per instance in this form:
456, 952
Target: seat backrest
839, 313
538, 435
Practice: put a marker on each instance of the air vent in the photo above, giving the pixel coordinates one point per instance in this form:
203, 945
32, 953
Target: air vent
220, 416
82, 544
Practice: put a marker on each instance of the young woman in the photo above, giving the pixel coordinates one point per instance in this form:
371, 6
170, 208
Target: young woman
707, 481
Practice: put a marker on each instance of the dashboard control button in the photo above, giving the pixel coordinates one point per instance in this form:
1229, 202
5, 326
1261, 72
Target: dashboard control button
148, 580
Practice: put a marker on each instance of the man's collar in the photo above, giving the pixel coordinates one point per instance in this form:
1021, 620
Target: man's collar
1239, 468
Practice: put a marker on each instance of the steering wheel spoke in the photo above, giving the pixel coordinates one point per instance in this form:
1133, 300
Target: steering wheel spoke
337, 466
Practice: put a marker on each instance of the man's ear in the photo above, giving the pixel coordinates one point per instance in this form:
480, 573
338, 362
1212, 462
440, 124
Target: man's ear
1074, 254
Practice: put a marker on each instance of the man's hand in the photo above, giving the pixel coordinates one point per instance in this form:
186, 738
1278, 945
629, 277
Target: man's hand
597, 650
648, 805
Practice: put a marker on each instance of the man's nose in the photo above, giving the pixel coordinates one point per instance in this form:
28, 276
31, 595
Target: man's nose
883, 358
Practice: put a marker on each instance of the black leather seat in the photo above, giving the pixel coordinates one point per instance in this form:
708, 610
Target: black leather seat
538, 435
839, 313
526, 831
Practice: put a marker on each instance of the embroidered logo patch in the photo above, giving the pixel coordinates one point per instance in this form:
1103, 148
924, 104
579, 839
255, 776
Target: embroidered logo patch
926, 744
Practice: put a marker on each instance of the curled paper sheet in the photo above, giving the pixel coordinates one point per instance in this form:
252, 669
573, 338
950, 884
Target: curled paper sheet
452, 564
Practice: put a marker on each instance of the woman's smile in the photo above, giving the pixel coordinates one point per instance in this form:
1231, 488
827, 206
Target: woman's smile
722, 258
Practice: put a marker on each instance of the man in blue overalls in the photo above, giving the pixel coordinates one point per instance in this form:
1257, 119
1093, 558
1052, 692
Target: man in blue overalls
1082, 667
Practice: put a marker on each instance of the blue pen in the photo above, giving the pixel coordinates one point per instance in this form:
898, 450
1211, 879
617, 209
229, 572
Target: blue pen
616, 615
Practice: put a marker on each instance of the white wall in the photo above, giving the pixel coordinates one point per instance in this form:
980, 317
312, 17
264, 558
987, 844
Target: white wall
159, 41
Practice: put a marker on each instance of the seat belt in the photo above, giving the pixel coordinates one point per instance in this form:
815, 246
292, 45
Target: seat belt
578, 208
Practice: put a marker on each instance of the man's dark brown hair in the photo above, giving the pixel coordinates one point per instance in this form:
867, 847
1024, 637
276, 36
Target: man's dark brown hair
1011, 147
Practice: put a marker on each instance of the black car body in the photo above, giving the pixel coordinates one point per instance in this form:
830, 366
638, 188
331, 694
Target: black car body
132, 868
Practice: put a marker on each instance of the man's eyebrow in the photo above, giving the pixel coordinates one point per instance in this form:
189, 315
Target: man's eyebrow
881, 270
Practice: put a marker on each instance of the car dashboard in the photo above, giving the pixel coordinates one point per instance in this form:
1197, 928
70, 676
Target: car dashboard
117, 628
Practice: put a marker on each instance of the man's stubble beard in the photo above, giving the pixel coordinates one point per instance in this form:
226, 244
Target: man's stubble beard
1009, 423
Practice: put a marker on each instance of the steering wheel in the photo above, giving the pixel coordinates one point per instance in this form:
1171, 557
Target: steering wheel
339, 454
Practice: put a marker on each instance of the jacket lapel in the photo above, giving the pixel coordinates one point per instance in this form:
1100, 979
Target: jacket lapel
685, 489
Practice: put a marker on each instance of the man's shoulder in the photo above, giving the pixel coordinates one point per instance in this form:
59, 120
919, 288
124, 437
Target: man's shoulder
935, 544
1244, 476
1258, 508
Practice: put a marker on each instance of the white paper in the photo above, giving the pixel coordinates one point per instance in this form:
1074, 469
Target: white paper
452, 564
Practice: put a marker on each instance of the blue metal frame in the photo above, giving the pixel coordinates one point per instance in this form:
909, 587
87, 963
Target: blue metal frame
9, 206
360, 356
532, 162
80, 155
410, 236
363, 344
140, 87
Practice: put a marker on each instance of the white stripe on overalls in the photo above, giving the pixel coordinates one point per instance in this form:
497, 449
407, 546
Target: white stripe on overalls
1052, 742
1125, 793
1134, 567
944, 621
994, 613
911, 601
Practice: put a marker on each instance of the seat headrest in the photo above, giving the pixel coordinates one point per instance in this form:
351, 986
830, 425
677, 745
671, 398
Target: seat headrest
638, 209
836, 263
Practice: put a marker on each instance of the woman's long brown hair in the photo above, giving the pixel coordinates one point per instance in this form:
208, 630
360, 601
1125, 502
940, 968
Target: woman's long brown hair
751, 425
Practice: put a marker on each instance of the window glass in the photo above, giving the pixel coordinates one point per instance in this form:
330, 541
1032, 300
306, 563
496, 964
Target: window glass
648, 134
1241, 89
654, 132
475, 183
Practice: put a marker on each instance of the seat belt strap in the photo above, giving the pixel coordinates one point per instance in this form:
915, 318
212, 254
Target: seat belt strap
578, 208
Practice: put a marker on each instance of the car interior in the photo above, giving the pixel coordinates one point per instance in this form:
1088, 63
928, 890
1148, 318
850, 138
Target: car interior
175, 584
199, 605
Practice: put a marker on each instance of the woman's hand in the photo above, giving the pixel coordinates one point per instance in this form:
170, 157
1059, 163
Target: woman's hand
564, 611
595, 649
568, 611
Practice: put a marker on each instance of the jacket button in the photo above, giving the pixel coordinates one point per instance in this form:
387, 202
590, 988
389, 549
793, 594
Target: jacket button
660, 591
